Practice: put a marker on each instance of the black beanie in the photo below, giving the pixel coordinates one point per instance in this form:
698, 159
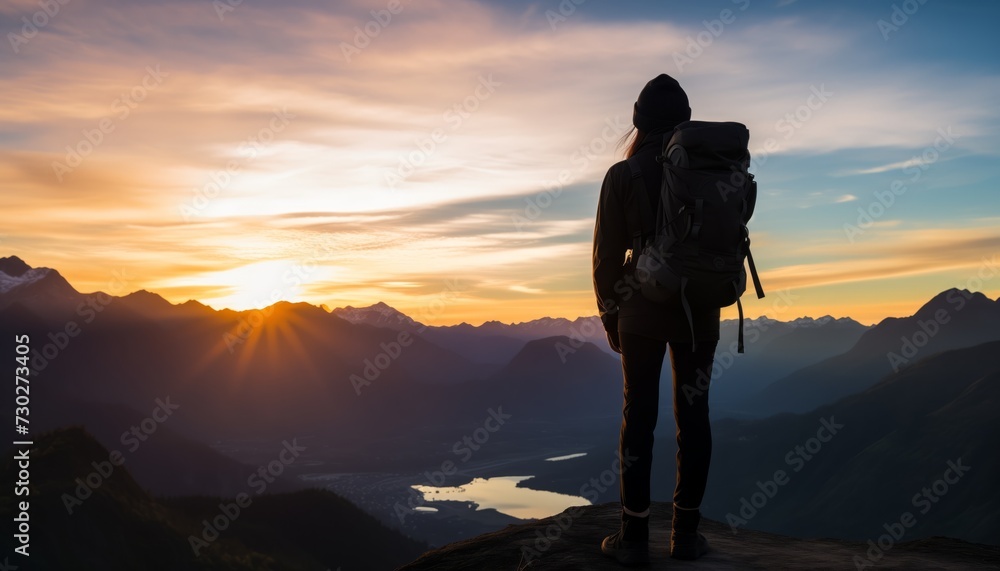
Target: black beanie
662, 104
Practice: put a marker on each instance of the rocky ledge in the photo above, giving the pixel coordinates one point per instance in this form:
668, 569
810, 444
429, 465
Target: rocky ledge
571, 541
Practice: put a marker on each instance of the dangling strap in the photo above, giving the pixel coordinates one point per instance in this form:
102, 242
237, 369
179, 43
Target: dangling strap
753, 273
753, 268
739, 342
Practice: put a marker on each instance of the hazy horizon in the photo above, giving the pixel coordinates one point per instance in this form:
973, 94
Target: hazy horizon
428, 316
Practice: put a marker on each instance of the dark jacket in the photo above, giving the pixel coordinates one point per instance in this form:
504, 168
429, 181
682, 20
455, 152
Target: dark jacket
619, 301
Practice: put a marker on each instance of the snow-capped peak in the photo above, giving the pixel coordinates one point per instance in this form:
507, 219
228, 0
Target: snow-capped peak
31, 276
379, 315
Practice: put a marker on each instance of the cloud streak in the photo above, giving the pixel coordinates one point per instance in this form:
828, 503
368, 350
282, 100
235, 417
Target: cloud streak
413, 95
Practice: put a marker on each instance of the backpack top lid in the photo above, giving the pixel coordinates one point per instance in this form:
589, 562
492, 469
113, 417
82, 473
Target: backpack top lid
709, 145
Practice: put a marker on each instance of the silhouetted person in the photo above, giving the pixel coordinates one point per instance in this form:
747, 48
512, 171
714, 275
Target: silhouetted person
641, 330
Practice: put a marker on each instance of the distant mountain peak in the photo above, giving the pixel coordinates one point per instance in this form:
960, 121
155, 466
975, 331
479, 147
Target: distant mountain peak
799, 322
379, 314
819, 321
42, 290
149, 304
953, 298
35, 282
13, 266
762, 320
33, 275
552, 350
146, 295
377, 306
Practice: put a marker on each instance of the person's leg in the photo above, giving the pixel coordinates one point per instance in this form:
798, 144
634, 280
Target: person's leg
692, 373
642, 358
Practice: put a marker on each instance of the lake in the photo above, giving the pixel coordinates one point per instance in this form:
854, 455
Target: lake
503, 494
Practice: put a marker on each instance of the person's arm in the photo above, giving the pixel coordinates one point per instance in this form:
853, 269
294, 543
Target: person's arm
610, 242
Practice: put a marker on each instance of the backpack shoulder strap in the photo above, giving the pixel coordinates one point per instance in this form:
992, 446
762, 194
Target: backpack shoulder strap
637, 208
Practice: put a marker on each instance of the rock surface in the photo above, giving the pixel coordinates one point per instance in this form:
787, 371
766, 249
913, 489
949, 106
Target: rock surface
575, 537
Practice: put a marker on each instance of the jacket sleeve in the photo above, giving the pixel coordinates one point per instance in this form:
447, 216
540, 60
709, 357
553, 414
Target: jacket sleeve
610, 242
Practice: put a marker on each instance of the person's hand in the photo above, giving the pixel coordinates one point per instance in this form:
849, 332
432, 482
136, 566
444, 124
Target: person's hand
613, 340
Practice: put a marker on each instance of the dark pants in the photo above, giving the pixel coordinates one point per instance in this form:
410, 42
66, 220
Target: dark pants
642, 359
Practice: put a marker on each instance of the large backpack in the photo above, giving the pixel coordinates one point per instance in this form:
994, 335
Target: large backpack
695, 246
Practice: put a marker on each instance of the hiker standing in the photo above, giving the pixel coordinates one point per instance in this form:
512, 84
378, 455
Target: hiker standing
641, 330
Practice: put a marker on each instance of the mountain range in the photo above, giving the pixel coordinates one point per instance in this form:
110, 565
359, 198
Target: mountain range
950, 320
241, 373
890, 443
373, 391
119, 525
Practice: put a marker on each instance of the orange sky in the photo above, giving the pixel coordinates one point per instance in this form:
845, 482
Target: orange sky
451, 167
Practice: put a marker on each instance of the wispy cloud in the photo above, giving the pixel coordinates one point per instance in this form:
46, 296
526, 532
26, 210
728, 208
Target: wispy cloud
915, 161
889, 253
486, 109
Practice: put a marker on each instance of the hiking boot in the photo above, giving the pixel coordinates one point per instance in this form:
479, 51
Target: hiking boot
687, 546
630, 544
685, 541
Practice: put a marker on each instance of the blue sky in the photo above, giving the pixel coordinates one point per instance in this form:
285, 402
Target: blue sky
332, 197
